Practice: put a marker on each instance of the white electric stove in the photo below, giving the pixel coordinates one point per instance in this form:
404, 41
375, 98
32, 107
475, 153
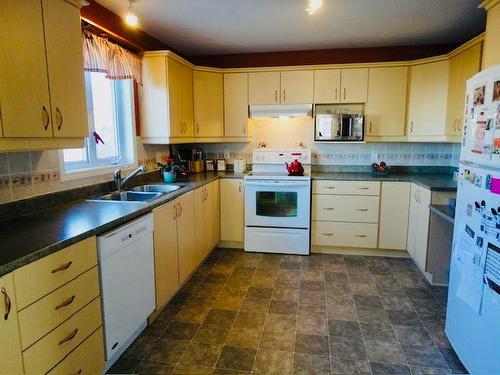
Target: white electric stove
278, 206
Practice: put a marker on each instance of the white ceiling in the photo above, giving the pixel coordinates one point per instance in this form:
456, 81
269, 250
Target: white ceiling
198, 27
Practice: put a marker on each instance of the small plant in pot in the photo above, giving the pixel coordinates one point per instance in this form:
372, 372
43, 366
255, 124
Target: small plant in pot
171, 169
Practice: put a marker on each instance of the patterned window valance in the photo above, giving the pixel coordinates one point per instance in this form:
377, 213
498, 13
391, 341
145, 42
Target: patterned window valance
101, 55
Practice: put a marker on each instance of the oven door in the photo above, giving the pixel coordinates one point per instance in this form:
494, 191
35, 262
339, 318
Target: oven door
279, 204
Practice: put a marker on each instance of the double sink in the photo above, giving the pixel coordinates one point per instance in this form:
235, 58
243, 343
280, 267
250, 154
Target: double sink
143, 193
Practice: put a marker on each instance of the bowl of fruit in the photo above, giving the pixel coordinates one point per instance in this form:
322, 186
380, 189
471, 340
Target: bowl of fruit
381, 169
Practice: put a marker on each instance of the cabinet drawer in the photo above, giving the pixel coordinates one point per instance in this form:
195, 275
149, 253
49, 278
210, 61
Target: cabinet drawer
346, 187
46, 314
51, 349
86, 359
344, 234
39, 278
358, 209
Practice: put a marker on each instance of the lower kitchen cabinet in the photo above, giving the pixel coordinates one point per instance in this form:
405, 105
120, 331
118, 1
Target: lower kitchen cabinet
10, 343
418, 225
186, 250
203, 221
231, 210
394, 209
79, 361
215, 213
165, 251
331, 233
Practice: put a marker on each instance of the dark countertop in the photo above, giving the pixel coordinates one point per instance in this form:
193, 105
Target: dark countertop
443, 211
31, 237
434, 182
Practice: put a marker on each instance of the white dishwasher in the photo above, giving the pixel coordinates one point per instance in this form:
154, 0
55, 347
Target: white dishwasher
126, 266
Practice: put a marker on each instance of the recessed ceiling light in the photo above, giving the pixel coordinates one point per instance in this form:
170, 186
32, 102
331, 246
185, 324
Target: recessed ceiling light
131, 19
312, 6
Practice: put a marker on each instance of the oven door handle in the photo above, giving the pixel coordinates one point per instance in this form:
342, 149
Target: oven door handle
278, 184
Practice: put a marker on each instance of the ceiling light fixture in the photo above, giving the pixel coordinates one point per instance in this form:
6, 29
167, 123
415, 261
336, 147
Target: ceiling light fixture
131, 19
312, 6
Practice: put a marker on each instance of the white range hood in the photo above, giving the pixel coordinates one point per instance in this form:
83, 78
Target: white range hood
280, 111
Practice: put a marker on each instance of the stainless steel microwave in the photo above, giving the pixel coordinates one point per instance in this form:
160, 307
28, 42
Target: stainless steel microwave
338, 124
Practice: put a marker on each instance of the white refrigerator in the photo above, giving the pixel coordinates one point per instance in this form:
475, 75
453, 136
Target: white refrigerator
473, 311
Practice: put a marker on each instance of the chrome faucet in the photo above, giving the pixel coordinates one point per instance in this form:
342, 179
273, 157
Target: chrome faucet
121, 183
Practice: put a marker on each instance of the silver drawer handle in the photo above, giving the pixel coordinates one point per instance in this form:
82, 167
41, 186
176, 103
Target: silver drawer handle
328, 208
329, 187
360, 235
327, 234
7, 302
363, 188
362, 209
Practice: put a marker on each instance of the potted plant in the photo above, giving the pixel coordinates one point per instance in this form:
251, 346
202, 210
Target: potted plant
171, 169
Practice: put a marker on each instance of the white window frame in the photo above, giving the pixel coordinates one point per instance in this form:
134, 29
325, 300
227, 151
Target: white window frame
126, 142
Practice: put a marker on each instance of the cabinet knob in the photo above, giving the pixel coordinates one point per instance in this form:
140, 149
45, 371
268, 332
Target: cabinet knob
345, 93
61, 118
244, 129
336, 94
197, 128
360, 235
45, 118
284, 96
276, 96
370, 128
411, 127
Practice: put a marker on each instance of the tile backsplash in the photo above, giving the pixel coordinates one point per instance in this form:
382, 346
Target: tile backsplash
26, 174
289, 133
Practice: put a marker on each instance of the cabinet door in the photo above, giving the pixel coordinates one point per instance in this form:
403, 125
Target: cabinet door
231, 209
428, 98
216, 212
10, 345
65, 66
454, 108
386, 106
208, 220
199, 223
412, 220
208, 104
185, 236
462, 67
394, 210
175, 91
236, 105
354, 83
165, 250
24, 87
424, 200
187, 100
297, 87
327, 86
264, 88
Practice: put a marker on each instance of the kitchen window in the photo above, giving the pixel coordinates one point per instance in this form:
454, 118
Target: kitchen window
111, 140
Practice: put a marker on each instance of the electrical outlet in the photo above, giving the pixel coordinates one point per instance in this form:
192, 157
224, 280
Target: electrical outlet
227, 153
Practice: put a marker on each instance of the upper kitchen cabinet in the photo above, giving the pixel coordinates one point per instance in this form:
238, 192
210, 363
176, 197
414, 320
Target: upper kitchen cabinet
264, 88
386, 106
65, 66
41, 60
327, 86
167, 99
287, 87
462, 67
427, 102
236, 105
341, 85
208, 89
297, 87
354, 83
